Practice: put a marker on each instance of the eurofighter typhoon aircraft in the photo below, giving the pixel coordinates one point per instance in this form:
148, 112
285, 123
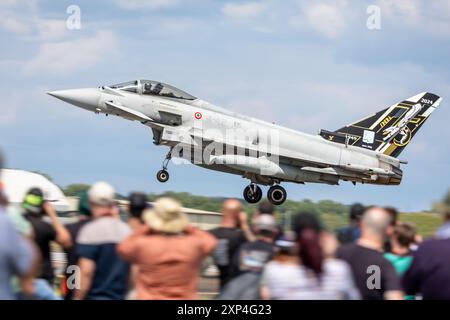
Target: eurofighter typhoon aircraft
266, 154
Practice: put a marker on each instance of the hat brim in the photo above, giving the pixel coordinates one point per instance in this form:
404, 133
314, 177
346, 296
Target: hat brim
102, 202
168, 226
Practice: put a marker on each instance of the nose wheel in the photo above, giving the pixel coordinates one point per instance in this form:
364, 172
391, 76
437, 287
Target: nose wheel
163, 175
277, 195
252, 193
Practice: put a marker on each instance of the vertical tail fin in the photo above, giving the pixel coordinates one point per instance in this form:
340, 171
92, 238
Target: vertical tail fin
390, 130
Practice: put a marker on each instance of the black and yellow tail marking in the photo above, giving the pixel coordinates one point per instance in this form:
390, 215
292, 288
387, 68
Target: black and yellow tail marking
390, 130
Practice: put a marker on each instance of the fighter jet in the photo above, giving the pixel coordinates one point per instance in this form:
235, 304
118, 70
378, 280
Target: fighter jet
266, 154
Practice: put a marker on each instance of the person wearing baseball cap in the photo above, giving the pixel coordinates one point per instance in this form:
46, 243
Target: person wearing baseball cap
101, 195
35, 208
253, 255
103, 273
250, 260
33, 201
267, 208
137, 203
167, 248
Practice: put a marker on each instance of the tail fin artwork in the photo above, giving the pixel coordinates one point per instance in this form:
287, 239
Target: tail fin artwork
390, 130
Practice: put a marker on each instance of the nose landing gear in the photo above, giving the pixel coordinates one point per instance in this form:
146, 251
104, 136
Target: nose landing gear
163, 175
252, 193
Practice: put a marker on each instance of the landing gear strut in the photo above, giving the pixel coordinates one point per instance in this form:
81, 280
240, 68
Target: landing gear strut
163, 175
252, 193
276, 195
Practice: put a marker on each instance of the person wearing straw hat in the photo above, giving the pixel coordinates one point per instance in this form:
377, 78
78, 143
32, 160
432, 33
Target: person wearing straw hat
167, 252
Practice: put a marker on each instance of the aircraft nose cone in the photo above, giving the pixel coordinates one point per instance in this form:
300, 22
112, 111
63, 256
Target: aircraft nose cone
84, 98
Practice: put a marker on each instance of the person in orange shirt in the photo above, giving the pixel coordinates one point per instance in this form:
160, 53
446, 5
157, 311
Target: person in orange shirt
166, 253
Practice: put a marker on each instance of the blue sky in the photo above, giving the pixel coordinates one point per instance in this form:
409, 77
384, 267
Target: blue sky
303, 64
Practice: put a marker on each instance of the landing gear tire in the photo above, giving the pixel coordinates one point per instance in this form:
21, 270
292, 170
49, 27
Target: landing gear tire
277, 195
252, 193
162, 176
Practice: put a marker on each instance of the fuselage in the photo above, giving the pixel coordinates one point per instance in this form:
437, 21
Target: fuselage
301, 157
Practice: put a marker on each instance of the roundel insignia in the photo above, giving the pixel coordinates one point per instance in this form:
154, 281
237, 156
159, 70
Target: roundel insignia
198, 115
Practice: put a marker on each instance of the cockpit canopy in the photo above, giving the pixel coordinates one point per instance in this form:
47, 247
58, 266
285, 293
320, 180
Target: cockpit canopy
150, 87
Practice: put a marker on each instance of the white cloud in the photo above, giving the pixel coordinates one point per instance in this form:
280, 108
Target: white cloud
326, 19
62, 58
413, 14
243, 10
11, 19
331, 19
177, 26
259, 16
12, 24
50, 29
145, 4
23, 19
406, 11
35, 29
13, 13
8, 3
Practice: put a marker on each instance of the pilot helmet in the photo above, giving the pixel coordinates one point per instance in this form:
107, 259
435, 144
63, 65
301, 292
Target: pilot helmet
147, 87
158, 87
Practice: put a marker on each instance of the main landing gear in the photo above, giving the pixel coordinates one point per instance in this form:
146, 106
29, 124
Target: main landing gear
163, 175
252, 193
276, 194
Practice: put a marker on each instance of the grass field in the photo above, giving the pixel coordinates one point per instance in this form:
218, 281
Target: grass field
426, 223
